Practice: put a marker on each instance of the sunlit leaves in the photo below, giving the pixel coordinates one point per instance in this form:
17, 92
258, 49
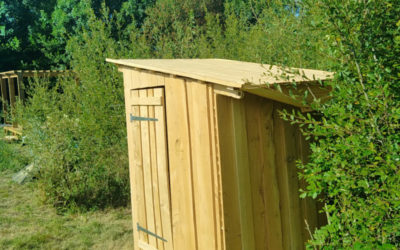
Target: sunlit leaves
356, 133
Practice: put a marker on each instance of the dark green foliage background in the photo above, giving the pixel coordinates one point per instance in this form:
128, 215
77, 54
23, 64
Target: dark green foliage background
76, 133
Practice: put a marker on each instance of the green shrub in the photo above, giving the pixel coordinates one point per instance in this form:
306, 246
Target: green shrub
77, 131
355, 159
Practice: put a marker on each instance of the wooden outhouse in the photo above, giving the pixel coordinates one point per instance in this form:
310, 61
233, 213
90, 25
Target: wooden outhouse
212, 164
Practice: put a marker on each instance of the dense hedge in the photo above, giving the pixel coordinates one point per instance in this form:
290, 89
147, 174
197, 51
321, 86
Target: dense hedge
355, 159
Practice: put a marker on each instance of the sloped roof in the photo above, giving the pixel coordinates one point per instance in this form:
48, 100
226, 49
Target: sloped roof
229, 73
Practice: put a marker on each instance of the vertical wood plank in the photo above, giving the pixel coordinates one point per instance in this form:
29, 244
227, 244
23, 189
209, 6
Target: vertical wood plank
285, 141
216, 170
183, 218
270, 178
133, 154
243, 174
309, 205
154, 172
11, 94
202, 163
297, 224
4, 96
21, 87
140, 205
11, 88
265, 191
283, 180
257, 165
163, 173
232, 227
146, 154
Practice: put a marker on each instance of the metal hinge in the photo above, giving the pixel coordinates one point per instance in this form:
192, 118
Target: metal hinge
140, 118
139, 228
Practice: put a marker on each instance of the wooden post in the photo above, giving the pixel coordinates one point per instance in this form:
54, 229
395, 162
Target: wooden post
11, 88
4, 97
11, 93
20, 85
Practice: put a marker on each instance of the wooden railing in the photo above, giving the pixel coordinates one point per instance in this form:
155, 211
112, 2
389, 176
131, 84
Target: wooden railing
12, 86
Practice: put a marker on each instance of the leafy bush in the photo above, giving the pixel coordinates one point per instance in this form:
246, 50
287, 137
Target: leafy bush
77, 131
355, 159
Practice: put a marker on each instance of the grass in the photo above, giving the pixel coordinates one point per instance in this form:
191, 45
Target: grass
13, 156
26, 223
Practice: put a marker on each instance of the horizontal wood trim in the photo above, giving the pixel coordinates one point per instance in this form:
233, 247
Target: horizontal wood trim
150, 101
227, 91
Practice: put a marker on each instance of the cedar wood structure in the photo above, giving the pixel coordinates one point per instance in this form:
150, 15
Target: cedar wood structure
212, 165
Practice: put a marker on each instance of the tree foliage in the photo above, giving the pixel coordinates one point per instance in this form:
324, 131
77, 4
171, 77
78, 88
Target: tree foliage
355, 159
16, 48
76, 130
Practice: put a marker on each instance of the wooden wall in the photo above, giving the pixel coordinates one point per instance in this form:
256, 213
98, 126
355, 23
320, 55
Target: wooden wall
194, 185
262, 208
194, 165
229, 181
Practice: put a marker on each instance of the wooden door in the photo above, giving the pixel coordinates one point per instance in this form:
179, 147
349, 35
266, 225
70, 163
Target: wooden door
149, 171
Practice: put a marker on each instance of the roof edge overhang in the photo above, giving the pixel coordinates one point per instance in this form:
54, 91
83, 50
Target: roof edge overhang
300, 96
290, 92
175, 73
